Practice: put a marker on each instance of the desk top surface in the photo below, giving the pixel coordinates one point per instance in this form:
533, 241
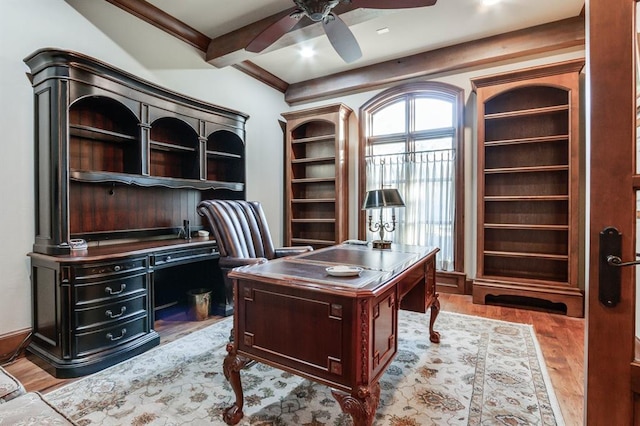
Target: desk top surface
310, 269
133, 248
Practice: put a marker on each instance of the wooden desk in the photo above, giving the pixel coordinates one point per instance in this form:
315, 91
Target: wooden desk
338, 331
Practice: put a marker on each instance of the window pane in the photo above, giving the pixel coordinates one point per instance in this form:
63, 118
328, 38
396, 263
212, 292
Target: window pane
389, 120
434, 144
433, 113
388, 148
419, 153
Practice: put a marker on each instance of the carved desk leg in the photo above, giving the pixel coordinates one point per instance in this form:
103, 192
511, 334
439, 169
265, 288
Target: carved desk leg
434, 336
232, 366
362, 406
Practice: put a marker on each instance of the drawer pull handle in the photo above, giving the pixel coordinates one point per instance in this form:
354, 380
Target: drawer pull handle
113, 339
111, 292
117, 268
111, 315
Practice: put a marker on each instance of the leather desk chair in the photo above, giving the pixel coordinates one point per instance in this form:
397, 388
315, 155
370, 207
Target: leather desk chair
242, 233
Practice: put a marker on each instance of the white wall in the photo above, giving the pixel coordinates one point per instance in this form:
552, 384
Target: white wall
28, 25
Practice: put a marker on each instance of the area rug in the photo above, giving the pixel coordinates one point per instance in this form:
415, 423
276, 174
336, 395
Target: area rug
484, 372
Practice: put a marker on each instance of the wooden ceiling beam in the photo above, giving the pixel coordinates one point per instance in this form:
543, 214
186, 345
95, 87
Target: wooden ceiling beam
530, 41
167, 23
262, 75
162, 20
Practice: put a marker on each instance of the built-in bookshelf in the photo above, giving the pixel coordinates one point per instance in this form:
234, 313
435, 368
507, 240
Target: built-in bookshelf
316, 193
529, 185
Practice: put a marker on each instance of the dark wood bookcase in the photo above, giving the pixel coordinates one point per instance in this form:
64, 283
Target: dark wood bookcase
316, 176
529, 185
109, 145
121, 163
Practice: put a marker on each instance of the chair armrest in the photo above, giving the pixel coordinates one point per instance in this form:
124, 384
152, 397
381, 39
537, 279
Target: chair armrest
233, 262
290, 251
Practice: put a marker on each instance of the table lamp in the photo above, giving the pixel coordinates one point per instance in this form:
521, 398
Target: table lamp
381, 198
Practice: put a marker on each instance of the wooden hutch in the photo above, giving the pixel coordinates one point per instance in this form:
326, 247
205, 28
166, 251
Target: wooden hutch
120, 163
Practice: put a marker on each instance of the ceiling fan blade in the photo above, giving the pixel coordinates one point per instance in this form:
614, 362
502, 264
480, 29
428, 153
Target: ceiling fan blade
392, 4
341, 38
272, 34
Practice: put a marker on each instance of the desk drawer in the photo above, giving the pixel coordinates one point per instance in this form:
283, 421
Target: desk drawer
110, 289
175, 257
102, 315
109, 337
111, 269
410, 281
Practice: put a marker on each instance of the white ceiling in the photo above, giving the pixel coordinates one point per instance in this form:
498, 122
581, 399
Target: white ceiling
411, 31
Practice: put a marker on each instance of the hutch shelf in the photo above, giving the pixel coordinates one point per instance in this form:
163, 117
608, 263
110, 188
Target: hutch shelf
528, 185
122, 164
316, 193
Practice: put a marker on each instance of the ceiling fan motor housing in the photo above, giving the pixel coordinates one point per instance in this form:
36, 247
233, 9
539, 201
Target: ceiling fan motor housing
316, 10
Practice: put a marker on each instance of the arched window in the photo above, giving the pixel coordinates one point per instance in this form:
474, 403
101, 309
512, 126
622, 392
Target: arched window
412, 139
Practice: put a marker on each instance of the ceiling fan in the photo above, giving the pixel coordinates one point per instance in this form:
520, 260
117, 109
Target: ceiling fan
339, 34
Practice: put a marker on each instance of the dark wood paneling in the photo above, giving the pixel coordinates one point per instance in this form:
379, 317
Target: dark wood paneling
47, 308
110, 208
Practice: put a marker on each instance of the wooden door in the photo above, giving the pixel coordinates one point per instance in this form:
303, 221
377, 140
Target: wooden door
610, 141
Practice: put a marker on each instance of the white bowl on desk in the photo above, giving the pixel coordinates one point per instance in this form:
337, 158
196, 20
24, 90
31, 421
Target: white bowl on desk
344, 270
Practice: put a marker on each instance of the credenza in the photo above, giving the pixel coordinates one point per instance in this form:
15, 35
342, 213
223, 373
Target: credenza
93, 310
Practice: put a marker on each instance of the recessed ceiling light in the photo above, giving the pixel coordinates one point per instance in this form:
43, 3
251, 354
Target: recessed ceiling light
307, 52
382, 30
490, 2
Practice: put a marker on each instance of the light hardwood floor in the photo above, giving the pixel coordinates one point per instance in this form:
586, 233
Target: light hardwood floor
561, 339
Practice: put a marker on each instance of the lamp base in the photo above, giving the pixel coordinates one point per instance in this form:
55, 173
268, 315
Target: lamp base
381, 244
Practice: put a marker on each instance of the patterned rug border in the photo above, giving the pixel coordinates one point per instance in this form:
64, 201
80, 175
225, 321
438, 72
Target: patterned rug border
532, 339
553, 399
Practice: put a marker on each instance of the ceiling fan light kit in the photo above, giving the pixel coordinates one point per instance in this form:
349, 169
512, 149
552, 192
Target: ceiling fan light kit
337, 31
317, 10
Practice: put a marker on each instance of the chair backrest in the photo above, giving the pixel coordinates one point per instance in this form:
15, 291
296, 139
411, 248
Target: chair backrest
239, 227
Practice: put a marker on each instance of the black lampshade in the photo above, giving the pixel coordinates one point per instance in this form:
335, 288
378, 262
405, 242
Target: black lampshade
377, 198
